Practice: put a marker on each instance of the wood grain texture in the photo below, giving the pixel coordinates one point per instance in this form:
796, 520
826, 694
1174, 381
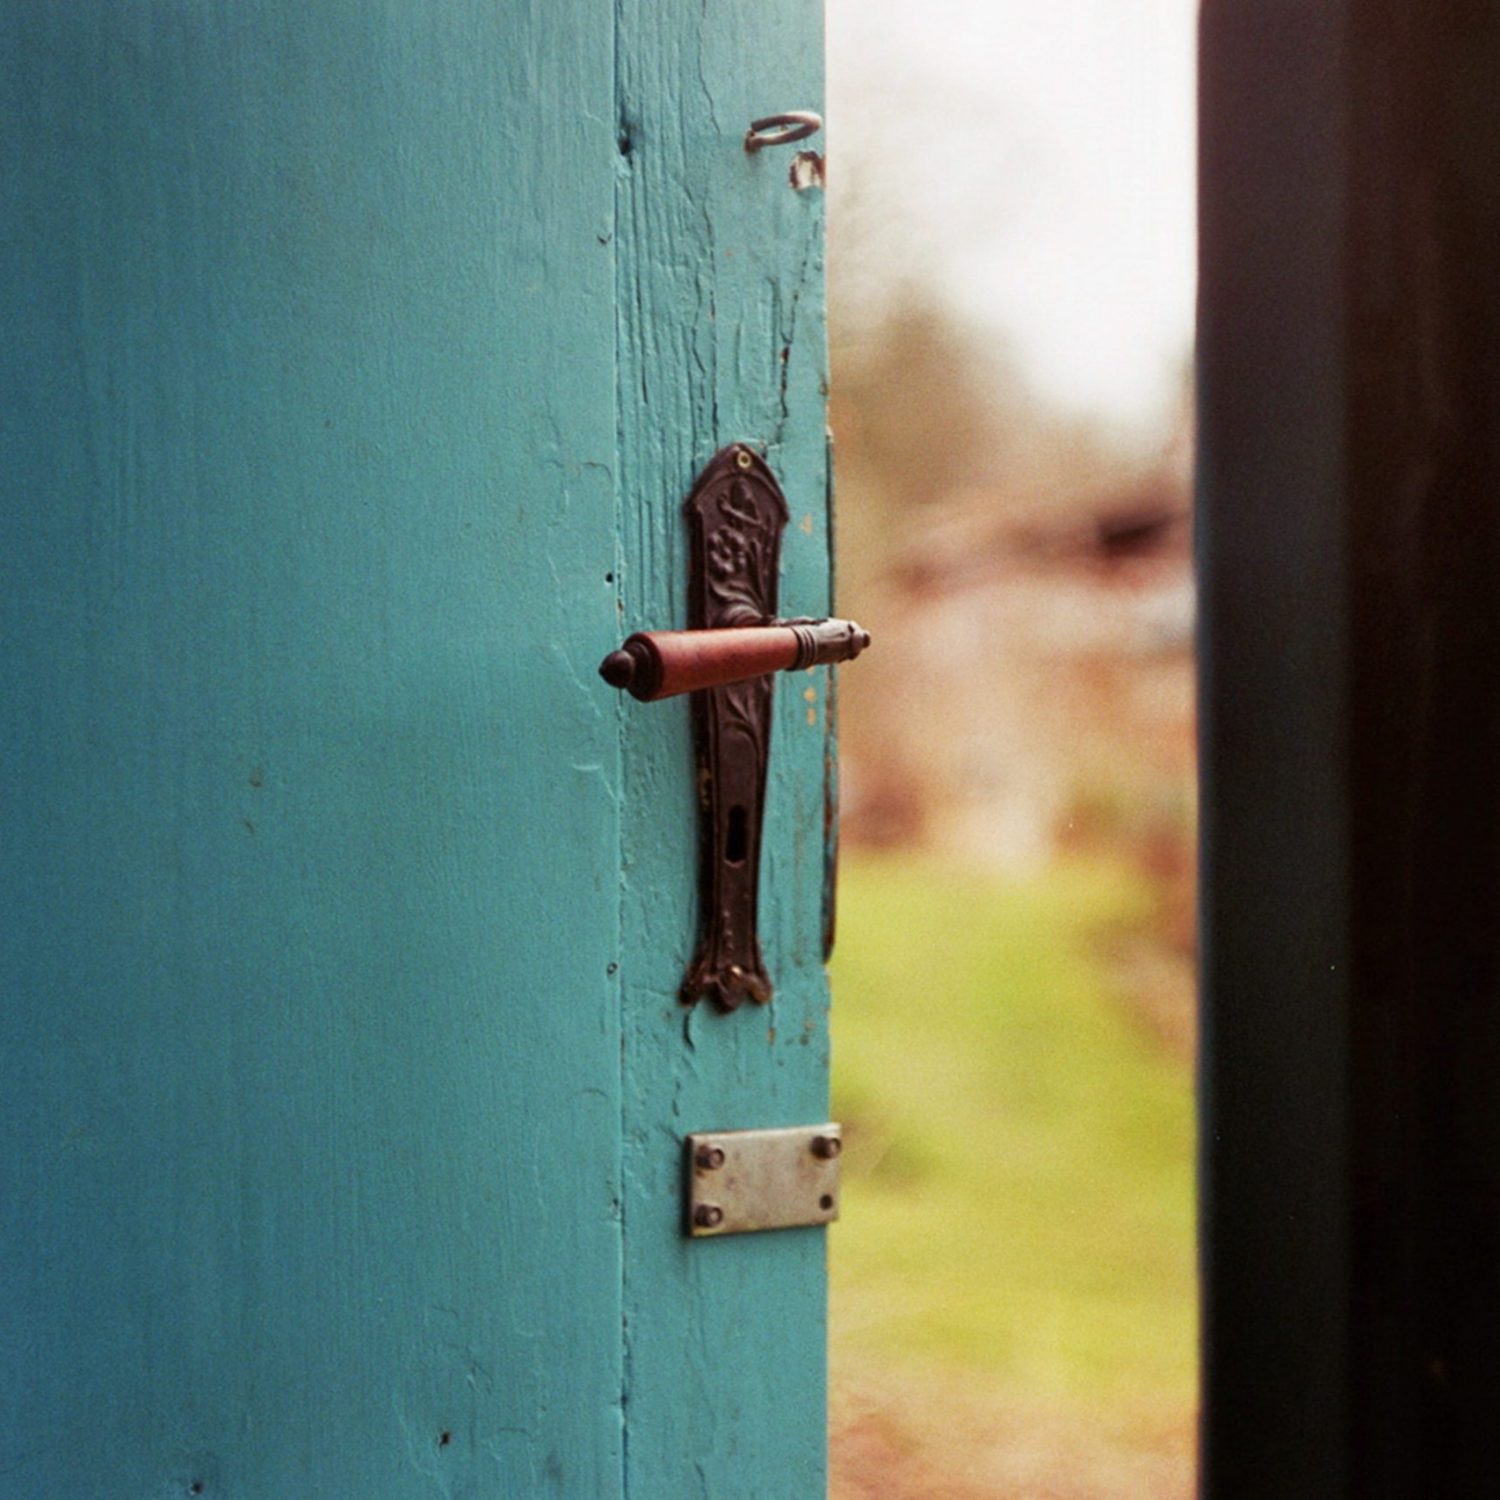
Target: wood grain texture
309, 1050
344, 430
721, 340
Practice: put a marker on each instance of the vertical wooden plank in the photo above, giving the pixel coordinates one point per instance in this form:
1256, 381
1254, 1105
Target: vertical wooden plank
721, 339
1273, 691
1350, 543
309, 1050
1424, 735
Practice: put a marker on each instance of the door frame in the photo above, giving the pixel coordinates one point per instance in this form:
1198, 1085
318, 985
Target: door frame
1348, 552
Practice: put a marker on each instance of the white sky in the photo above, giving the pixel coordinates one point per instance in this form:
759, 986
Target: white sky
1034, 160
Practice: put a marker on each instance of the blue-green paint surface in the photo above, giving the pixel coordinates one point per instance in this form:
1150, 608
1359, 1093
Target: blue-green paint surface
721, 340
351, 383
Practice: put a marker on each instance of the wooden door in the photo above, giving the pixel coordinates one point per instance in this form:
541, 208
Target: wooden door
358, 358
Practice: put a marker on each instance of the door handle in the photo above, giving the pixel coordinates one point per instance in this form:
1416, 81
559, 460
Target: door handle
656, 664
736, 514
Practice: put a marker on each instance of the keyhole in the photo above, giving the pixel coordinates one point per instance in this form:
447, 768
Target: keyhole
734, 844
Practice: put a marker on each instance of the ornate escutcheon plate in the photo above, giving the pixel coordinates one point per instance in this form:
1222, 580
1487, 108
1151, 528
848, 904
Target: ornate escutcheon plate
736, 514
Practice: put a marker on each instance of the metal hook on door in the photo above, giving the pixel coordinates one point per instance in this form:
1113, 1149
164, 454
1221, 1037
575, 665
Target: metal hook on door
783, 129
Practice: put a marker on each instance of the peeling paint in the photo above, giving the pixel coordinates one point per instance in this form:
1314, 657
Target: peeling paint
704, 232
806, 171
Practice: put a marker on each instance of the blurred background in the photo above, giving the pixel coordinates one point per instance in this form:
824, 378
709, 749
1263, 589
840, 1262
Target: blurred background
1011, 298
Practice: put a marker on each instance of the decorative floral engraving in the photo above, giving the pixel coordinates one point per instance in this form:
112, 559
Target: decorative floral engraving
737, 514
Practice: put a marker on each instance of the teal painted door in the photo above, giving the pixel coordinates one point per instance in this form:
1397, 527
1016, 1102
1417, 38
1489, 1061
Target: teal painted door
357, 359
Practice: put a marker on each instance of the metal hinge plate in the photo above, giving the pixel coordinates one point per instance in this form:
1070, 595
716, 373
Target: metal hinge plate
744, 1180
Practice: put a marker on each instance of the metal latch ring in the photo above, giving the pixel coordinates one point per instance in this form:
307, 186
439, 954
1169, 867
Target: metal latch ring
782, 130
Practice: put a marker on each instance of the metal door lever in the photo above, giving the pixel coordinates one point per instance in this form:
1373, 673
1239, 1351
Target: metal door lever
656, 664
736, 515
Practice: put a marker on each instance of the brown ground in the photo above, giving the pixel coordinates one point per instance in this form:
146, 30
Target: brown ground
896, 1441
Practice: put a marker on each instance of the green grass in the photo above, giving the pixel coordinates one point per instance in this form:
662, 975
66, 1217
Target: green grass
1018, 1195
